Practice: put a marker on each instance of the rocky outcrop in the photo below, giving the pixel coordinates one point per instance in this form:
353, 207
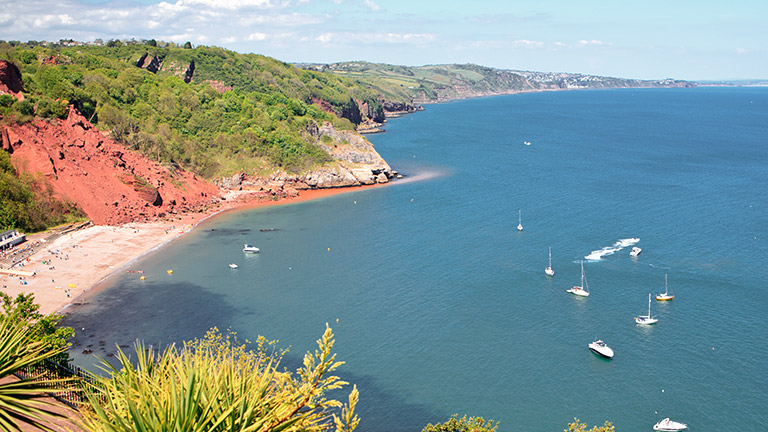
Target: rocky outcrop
394, 109
141, 60
155, 63
111, 184
355, 163
10, 79
190, 72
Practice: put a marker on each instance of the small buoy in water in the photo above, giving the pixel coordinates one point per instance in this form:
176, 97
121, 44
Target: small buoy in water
662, 390
355, 202
170, 271
329, 249
337, 320
142, 278
411, 199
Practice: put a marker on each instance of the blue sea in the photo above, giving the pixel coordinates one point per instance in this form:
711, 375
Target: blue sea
440, 306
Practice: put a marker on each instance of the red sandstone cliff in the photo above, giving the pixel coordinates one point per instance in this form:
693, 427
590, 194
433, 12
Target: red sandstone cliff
110, 183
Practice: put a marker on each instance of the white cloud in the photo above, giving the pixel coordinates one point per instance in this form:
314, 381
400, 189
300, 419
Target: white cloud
594, 42
376, 38
325, 38
228, 4
371, 5
528, 43
256, 36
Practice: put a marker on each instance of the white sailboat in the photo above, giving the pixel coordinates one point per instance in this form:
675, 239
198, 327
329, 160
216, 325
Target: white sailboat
519, 220
647, 319
666, 296
583, 289
549, 270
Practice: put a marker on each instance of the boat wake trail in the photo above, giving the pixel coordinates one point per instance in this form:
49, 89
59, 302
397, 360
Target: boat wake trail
597, 255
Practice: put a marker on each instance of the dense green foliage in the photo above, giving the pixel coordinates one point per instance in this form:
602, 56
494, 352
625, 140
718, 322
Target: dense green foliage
432, 83
217, 384
21, 346
27, 203
578, 426
464, 424
41, 327
262, 122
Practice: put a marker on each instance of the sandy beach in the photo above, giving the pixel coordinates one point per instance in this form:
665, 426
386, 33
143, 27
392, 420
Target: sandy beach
72, 264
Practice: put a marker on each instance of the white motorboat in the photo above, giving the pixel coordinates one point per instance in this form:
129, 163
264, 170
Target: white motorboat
233, 265
519, 220
549, 270
600, 348
666, 295
635, 251
669, 425
583, 289
647, 319
250, 249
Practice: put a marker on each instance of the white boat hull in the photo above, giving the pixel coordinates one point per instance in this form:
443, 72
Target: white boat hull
601, 349
669, 425
549, 271
250, 249
646, 320
579, 291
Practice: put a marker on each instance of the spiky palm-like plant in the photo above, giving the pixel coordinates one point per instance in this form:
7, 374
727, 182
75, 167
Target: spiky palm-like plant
21, 401
217, 384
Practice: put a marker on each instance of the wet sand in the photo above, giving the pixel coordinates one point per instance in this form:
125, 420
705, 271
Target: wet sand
72, 264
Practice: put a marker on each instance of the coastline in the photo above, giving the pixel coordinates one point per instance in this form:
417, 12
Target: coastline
73, 265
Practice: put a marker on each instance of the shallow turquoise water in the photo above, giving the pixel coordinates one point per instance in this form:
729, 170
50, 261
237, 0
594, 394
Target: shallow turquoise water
443, 307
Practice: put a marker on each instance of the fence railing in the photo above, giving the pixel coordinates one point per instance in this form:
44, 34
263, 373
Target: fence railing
49, 369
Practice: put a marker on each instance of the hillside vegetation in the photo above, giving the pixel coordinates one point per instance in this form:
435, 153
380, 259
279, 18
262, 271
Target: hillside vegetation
208, 109
437, 83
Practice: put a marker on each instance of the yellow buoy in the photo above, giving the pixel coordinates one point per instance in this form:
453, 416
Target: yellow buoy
170, 271
72, 285
143, 277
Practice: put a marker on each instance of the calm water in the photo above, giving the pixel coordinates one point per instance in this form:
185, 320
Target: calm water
443, 307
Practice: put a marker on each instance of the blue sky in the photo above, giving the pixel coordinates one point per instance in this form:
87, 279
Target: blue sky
652, 39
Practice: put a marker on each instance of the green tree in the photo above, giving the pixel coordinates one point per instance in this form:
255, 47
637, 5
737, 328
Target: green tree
217, 384
45, 328
577, 426
464, 424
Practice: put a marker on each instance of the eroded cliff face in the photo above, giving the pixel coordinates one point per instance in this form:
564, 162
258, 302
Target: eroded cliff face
111, 184
356, 163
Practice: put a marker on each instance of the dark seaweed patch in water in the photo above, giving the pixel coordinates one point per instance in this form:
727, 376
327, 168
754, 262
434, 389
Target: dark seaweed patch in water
158, 314
223, 232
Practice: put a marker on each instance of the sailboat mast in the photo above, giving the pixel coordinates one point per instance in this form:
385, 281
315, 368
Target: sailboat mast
649, 305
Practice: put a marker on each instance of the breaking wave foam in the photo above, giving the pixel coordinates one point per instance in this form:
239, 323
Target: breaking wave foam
597, 255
